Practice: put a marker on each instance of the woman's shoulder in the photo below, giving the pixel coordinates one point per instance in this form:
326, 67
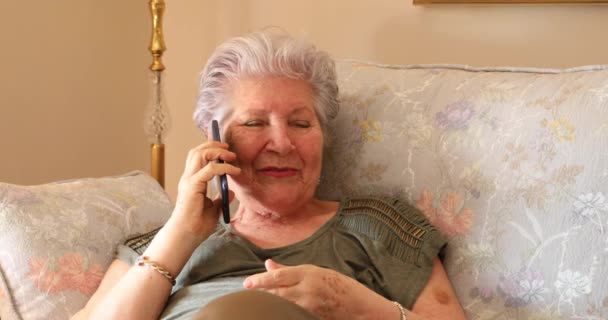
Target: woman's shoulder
386, 210
402, 228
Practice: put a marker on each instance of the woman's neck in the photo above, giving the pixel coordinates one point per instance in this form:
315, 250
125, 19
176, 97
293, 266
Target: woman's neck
278, 228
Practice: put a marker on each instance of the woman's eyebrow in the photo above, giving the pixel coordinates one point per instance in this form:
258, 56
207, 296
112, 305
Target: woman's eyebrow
254, 112
301, 110
258, 112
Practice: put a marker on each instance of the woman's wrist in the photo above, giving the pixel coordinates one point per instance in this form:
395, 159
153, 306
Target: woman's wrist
172, 248
196, 221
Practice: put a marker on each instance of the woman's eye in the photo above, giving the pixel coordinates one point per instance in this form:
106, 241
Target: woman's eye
253, 123
301, 124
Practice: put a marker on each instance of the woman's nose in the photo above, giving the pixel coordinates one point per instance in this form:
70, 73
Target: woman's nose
279, 141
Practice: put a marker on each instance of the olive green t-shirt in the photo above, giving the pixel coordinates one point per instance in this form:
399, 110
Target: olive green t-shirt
384, 244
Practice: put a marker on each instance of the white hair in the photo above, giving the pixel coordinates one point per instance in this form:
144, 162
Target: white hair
265, 53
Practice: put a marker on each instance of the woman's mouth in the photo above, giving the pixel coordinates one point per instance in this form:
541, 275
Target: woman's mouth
278, 172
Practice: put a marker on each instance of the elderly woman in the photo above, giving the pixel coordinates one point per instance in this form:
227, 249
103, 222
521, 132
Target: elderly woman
285, 254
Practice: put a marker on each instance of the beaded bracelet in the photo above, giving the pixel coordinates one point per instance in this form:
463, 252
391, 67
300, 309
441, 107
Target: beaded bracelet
401, 310
145, 261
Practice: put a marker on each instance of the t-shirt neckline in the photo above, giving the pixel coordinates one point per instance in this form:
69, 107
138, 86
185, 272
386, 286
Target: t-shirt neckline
277, 250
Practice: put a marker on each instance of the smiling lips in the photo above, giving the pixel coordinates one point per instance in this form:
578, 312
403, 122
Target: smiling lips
278, 172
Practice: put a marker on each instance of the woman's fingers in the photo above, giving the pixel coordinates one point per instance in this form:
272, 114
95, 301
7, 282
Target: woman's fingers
194, 212
201, 167
214, 169
205, 153
196, 184
290, 293
303, 285
282, 277
272, 265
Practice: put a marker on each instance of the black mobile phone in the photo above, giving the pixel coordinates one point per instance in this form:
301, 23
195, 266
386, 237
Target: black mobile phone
215, 129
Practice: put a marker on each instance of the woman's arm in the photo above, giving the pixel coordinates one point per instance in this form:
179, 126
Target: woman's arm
438, 299
141, 292
116, 270
331, 295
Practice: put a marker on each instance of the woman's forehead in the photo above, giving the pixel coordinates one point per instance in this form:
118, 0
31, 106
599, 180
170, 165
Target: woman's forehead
261, 96
269, 87
267, 110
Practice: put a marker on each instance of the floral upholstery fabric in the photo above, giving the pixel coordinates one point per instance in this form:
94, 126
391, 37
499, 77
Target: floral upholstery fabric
511, 165
57, 240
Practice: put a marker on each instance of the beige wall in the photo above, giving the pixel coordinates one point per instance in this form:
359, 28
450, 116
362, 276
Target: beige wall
395, 31
77, 109
387, 31
72, 89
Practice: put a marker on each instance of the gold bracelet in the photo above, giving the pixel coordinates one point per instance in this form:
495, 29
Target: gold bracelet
401, 310
145, 261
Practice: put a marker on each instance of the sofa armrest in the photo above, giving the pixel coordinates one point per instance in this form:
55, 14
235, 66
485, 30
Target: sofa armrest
57, 239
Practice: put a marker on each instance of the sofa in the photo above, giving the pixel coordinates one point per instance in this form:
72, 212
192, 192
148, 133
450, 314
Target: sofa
510, 164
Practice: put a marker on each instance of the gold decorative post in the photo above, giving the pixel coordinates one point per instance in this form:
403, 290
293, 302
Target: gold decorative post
157, 117
157, 45
158, 162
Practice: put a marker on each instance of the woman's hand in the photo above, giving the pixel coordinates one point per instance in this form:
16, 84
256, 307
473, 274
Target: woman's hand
324, 292
142, 293
194, 212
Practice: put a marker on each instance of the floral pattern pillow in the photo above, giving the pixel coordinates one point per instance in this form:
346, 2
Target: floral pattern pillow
510, 164
57, 239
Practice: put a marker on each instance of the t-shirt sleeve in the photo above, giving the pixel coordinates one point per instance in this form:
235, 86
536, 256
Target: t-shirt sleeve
401, 246
134, 247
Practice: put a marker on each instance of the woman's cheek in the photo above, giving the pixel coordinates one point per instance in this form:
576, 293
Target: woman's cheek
246, 150
244, 136
313, 148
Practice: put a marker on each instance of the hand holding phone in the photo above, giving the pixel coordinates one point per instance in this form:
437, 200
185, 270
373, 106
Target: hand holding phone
215, 129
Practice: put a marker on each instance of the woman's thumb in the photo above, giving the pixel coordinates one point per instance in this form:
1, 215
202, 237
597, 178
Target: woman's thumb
271, 265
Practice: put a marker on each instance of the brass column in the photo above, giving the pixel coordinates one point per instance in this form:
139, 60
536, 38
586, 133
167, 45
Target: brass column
158, 116
158, 162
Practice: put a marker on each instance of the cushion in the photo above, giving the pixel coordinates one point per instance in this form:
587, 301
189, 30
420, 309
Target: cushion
510, 164
57, 239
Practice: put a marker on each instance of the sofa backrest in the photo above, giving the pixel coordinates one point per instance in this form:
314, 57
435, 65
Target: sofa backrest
510, 164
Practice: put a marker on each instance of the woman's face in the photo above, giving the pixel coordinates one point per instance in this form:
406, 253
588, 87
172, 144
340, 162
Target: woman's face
275, 133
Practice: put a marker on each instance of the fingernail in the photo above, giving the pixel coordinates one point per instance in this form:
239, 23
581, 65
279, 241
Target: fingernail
247, 283
268, 264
